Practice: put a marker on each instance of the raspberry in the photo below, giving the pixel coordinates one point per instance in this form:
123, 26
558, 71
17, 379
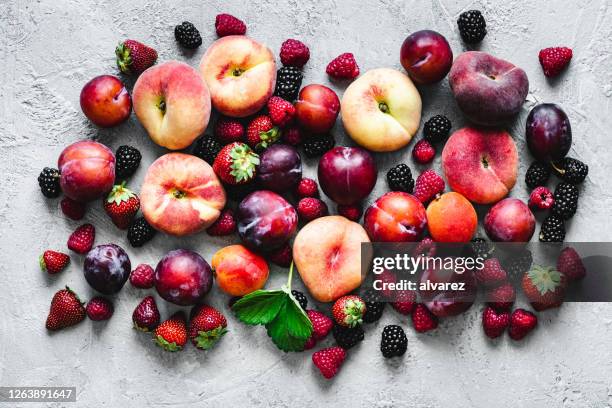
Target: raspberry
472, 26
281, 111
292, 136
143, 277
321, 324
99, 308
72, 209
228, 131
343, 66
423, 152
282, 256
570, 264
428, 185
404, 302
82, 239
307, 187
225, 224
351, 212
310, 208
423, 320
554, 60
541, 199
294, 53
226, 24
329, 360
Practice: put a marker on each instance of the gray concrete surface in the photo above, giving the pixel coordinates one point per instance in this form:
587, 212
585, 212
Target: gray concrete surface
49, 49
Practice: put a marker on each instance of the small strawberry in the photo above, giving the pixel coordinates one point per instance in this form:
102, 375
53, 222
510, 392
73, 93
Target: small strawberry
554, 60
292, 135
541, 198
73, 209
143, 277
501, 297
82, 239
282, 256
492, 273
228, 130
521, 323
53, 261
423, 152
404, 302
236, 163
281, 111
226, 24
348, 310
171, 334
422, 319
261, 133
146, 315
428, 185
494, 323
99, 308
121, 205
310, 208
294, 53
207, 326
134, 57
351, 212
343, 66
329, 360
66, 310
570, 264
321, 324
307, 187
544, 287
224, 225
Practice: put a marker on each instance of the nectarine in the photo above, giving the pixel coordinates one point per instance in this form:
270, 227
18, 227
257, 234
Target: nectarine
239, 271
451, 218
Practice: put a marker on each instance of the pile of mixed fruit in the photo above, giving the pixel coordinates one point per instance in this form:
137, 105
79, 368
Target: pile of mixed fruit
246, 178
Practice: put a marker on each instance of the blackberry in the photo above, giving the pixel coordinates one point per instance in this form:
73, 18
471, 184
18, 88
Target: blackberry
301, 298
317, 145
140, 232
552, 229
472, 26
482, 248
347, 337
288, 83
517, 264
566, 200
400, 178
187, 35
374, 308
207, 149
394, 342
571, 170
49, 182
127, 161
537, 174
437, 128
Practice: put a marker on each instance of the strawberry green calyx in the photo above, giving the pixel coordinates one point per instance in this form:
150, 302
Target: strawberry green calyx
268, 138
353, 310
163, 343
545, 279
124, 58
244, 163
119, 194
205, 340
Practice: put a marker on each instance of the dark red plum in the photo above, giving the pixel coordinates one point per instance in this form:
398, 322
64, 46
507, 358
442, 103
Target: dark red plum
549, 133
183, 277
347, 174
426, 56
107, 268
450, 301
266, 221
280, 168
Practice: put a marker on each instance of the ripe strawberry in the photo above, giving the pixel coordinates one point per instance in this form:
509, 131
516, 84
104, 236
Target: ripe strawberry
321, 324
73, 209
281, 111
570, 264
423, 152
134, 57
228, 130
224, 225
66, 310
494, 323
554, 60
422, 319
492, 273
146, 315
261, 133
307, 187
294, 53
171, 335
121, 205
351, 212
82, 239
541, 198
207, 326
343, 66
236, 163
428, 185
521, 323
292, 135
310, 208
329, 360
226, 24
404, 302
348, 310
142, 277
282, 256
99, 308
501, 297
53, 262
544, 287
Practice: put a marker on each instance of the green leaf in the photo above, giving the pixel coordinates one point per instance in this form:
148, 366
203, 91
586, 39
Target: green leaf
291, 327
259, 307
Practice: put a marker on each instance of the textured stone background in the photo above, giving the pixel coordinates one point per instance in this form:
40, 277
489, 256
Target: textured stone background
49, 49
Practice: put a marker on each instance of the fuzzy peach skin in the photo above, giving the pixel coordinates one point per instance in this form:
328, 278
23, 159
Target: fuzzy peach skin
451, 218
381, 110
480, 163
173, 104
181, 194
327, 254
241, 75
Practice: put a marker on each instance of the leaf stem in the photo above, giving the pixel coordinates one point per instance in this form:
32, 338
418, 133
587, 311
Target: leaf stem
290, 277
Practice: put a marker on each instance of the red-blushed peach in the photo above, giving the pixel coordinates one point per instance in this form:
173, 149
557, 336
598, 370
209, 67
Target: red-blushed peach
381, 110
327, 254
451, 218
510, 220
181, 194
241, 75
172, 102
239, 271
480, 163
395, 217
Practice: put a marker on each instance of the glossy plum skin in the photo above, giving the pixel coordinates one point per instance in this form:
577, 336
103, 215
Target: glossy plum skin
280, 168
426, 56
183, 277
347, 174
444, 303
395, 217
317, 108
548, 133
510, 220
266, 221
105, 101
106, 268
